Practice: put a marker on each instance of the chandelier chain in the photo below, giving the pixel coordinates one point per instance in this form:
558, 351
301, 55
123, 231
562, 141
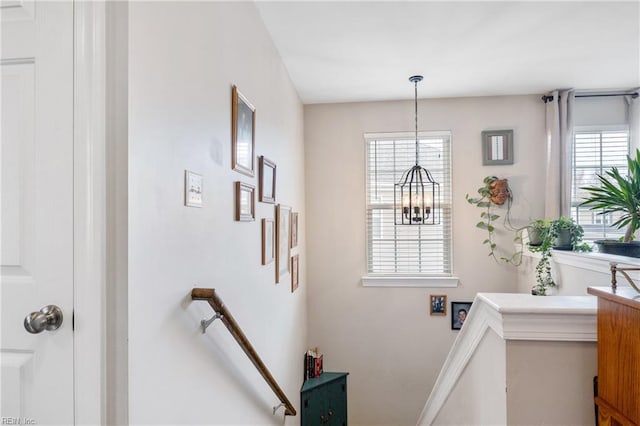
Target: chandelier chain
416, 111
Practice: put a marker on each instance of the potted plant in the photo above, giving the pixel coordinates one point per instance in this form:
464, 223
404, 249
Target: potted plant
619, 194
564, 233
537, 231
560, 234
544, 280
495, 192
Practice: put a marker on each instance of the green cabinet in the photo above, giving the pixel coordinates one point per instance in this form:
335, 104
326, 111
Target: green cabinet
324, 400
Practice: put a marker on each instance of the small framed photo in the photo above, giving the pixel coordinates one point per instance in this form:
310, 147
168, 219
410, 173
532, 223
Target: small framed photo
267, 178
459, 313
294, 229
245, 202
497, 147
283, 236
192, 189
438, 304
268, 241
243, 133
295, 261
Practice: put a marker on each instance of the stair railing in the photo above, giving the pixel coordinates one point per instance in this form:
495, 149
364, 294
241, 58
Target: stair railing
222, 313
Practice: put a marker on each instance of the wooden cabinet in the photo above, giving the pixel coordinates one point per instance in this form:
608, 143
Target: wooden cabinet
618, 397
324, 400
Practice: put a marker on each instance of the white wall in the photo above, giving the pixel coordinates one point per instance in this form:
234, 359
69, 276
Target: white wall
478, 396
184, 58
383, 336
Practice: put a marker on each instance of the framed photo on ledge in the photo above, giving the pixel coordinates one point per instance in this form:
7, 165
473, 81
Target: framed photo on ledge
459, 313
497, 147
243, 133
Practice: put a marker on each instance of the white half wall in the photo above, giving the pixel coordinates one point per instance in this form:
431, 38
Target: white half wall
519, 359
183, 59
478, 396
385, 337
550, 383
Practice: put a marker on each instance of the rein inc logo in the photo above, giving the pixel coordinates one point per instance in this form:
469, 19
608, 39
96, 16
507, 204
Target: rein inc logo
17, 421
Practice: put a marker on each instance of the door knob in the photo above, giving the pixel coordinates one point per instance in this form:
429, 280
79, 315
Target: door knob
48, 318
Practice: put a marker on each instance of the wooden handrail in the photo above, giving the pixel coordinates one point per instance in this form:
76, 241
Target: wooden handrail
209, 294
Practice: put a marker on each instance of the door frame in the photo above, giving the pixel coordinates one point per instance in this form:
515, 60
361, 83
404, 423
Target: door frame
89, 210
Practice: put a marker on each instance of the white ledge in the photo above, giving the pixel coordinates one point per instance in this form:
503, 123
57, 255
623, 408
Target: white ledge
408, 281
512, 317
595, 262
550, 318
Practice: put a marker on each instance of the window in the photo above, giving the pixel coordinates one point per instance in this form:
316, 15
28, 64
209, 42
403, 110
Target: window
408, 250
596, 150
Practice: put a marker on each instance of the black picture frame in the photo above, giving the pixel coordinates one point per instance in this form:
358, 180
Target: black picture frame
456, 308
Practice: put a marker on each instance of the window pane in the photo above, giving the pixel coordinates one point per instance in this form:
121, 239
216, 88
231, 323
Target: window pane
406, 249
594, 153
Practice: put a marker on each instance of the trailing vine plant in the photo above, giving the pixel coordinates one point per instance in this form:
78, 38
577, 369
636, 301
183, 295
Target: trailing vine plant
544, 280
549, 235
495, 192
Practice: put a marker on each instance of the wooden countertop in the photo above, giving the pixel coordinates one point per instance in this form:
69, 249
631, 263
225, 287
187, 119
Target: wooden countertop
624, 295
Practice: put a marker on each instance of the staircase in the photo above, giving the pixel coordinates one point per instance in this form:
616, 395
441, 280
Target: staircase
519, 360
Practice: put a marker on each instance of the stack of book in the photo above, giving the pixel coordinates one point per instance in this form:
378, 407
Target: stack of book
312, 363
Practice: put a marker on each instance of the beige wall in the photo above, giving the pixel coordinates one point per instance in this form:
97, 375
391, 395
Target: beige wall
384, 336
183, 60
550, 382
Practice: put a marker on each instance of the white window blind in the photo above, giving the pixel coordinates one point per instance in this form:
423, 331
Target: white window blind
595, 151
423, 250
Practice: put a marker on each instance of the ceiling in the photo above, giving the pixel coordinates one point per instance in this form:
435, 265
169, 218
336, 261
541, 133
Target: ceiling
350, 51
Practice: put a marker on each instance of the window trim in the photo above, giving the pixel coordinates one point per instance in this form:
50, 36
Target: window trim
623, 127
371, 279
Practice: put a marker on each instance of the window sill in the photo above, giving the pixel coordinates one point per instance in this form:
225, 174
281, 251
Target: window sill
596, 262
408, 281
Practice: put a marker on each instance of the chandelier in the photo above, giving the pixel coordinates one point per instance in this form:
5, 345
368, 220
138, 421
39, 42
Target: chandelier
416, 196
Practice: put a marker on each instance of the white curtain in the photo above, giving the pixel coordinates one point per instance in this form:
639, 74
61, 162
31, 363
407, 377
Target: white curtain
559, 147
634, 122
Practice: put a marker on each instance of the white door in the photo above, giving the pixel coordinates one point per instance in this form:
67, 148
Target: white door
36, 210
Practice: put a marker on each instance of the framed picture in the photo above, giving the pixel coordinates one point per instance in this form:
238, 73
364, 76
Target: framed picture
497, 147
283, 250
243, 133
294, 272
459, 313
294, 229
268, 241
245, 202
267, 179
192, 189
438, 304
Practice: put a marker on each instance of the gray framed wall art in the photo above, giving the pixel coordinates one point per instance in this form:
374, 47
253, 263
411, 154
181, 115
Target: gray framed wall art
497, 147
